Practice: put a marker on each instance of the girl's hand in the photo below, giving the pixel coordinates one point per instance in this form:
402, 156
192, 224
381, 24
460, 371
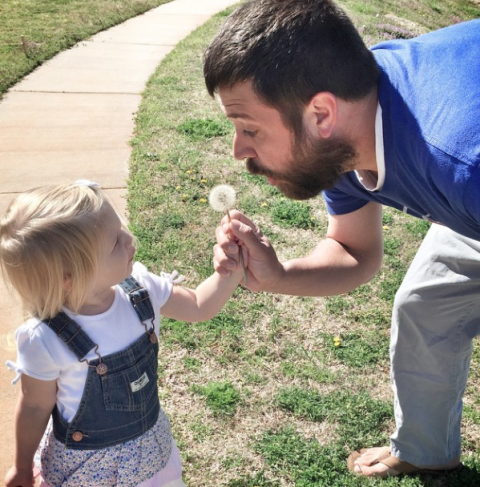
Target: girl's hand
263, 267
17, 477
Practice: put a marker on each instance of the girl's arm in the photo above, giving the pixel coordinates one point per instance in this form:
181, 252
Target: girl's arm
205, 301
35, 404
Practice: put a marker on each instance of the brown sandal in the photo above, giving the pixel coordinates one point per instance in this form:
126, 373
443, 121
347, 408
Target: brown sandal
397, 466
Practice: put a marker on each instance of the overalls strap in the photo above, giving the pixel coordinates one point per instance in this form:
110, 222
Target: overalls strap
78, 341
139, 298
71, 334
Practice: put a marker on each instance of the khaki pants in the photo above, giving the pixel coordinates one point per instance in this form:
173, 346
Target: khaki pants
436, 315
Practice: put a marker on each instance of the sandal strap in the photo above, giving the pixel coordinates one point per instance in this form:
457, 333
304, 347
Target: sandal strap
399, 465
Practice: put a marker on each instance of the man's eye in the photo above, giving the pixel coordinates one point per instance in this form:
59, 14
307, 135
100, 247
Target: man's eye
250, 133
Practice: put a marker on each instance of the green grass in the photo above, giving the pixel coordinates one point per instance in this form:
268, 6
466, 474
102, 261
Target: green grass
277, 390
33, 31
221, 397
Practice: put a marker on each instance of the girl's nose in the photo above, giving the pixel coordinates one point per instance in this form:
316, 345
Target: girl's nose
128, 240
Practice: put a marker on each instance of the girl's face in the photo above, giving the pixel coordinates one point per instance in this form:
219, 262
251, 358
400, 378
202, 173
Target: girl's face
118, 251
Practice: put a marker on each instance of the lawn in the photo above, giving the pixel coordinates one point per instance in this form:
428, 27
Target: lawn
276, 390
33, 31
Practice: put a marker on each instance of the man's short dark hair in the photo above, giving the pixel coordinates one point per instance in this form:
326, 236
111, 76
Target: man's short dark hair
291, 50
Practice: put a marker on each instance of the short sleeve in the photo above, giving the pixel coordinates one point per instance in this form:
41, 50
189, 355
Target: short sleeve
159, 287
34, 358
340, 203
471, 199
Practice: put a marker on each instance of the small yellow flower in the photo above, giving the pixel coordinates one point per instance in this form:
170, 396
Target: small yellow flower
203, 181
336, 341
264, 204
202, 200
177, 187
184, 195
386, 227
189, 171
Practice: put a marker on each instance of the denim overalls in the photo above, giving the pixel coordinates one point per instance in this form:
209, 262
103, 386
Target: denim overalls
120, 399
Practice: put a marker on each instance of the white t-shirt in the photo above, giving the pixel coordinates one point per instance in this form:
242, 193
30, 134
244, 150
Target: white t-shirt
42, 355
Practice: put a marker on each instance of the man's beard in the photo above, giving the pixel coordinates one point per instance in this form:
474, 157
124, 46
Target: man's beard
315, 165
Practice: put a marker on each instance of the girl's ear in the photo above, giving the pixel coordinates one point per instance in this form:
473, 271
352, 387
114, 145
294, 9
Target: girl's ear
321, 114
67, 282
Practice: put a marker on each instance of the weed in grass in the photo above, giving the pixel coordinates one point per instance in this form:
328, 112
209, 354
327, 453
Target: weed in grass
224, 328
418, 228
192, 363
259, 480
292, 214
205, 128
391, 246
251, 206
306, 403
303, 460
390, 283
471, 414
336, 305
354, 350
201, 431
361, 419
387, 218
304, 371
254, 378
178, 332
222, 398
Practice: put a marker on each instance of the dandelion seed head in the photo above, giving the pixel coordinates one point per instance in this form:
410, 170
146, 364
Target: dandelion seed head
222, 198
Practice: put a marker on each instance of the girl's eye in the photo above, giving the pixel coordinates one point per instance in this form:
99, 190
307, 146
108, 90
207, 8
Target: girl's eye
250, 133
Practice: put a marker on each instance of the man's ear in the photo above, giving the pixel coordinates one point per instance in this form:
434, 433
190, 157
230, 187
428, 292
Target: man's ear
321, 114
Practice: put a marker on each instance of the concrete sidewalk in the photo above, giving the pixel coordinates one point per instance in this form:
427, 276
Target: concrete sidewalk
72, 118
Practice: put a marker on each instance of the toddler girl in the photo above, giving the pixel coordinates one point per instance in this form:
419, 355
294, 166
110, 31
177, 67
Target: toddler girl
87, 357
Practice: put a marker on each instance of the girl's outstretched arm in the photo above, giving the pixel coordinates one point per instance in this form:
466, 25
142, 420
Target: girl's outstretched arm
35, 404
205, 301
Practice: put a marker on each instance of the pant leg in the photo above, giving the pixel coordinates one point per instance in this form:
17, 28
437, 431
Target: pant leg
436, 315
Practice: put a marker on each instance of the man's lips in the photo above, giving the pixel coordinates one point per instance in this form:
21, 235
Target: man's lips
271, 181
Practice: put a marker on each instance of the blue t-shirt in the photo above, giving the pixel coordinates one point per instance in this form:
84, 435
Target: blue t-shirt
429, 92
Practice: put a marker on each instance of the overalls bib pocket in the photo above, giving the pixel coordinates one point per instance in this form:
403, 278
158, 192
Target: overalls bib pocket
129, 388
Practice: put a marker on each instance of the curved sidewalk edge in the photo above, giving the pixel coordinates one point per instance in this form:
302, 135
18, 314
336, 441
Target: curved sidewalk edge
73, 118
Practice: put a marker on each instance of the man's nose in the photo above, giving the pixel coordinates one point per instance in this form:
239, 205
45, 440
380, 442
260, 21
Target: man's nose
242, 147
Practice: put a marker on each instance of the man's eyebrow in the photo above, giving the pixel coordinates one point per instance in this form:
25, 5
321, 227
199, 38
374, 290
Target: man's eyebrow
239, 115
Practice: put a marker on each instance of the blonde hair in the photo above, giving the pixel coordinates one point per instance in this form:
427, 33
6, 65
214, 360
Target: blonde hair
50, 242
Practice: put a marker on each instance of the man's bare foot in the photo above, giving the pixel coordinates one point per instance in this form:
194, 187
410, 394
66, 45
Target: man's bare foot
378, 462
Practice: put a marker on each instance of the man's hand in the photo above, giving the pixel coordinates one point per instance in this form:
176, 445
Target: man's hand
263, 268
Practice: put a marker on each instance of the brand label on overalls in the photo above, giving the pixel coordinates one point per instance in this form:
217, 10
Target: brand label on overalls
138, 384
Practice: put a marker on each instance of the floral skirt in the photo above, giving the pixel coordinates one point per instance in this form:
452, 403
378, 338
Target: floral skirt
127, 464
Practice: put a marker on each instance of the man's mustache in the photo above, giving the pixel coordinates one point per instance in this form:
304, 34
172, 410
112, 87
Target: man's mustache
256, 170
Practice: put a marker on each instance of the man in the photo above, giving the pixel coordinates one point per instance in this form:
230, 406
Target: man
315, 110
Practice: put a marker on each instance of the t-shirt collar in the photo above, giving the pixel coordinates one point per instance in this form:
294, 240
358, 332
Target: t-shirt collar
369, 180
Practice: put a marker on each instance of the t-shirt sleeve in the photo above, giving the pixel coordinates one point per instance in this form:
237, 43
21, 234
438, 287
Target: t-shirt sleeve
471, 199
33, 355
341, 203
159, 287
